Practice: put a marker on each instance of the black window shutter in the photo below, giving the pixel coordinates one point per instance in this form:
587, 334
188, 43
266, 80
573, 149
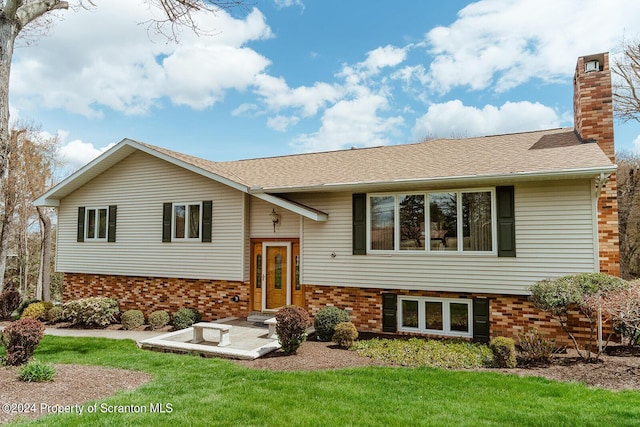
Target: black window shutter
359, 214
506, 222
80, 237
207, 215
389, 313
166, 221
481, 319
112, 223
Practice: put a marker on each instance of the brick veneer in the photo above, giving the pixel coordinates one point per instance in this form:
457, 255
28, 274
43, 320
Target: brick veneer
212, 298
593, 120
509, 315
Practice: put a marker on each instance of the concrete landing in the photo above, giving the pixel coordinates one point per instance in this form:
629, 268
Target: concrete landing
248, 341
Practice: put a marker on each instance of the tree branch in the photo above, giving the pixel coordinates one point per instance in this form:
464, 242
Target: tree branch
32, 11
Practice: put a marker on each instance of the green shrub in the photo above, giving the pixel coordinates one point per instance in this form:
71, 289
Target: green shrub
326, 319
24, 304
55, 314
504, 352
535, 347
132, 319
184, 318
345, 334
36, 372
159, 319
291, 326
36, 310
20, 340
92, 311
10, 300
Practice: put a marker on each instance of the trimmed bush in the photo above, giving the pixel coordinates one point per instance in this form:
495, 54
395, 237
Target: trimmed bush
535, 347
184, 318
37, 311
36, 372
24, 304
10, 300
504, 352
159, 319
92, 311
291, 326
132, 319
326, 319
345, 334
55, 314
20, 340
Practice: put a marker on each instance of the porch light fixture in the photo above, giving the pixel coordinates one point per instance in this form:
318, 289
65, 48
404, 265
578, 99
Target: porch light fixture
275, 219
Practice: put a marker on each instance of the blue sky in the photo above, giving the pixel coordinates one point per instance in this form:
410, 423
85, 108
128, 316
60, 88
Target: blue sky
291, 76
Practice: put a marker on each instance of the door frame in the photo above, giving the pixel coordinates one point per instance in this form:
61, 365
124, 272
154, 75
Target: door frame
265, 286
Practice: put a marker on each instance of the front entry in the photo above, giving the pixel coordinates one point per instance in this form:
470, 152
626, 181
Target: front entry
275, 274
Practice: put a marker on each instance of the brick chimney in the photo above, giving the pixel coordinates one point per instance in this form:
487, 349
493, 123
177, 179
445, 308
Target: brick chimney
593, 122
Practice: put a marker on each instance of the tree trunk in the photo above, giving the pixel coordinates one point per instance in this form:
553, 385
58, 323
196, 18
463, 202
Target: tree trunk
44, 275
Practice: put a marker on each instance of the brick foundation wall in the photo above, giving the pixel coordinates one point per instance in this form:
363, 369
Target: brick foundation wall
212, 298
509, 315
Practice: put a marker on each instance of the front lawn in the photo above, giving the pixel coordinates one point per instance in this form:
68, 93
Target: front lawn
218, 392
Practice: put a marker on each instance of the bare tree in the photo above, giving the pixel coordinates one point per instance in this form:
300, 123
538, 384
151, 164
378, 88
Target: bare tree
626, 87
629, 213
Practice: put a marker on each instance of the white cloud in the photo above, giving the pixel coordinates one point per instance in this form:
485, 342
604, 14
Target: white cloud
76, 153
288, 3
454, 119
636, 144
104, 58
282, 123
351, 123
503, 43
377, 59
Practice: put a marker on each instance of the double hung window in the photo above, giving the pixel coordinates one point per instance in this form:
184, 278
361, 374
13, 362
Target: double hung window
186, 221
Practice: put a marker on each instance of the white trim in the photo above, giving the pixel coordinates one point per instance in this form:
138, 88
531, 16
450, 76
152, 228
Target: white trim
446, 316
187, 219
596, 226
96, 210
265, 285
298, 208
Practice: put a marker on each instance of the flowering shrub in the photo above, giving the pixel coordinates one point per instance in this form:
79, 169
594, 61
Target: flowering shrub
291, 326
9, 301
20, 340
92, 311
345, 334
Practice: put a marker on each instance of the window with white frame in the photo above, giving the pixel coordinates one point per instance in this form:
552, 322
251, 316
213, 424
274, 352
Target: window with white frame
96, 223
186, 222
439, 316
446, 221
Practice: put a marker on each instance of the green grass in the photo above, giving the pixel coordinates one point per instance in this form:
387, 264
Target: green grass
216, 392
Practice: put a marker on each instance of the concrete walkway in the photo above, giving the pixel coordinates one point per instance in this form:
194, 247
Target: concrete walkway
99, 333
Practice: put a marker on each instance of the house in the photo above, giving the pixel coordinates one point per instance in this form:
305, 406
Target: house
442, 237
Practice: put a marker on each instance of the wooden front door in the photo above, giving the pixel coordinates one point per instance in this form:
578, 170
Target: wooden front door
276, 275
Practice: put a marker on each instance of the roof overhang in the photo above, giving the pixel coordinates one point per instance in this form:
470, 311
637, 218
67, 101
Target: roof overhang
450, 181
110, 158
289, 205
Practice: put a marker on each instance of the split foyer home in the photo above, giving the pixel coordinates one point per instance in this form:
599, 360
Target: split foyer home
442, 237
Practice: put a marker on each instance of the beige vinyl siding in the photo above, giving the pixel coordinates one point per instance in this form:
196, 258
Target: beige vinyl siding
139, 185
262, 227
554, 236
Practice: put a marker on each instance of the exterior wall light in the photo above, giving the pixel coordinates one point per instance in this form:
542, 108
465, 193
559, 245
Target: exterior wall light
275, 219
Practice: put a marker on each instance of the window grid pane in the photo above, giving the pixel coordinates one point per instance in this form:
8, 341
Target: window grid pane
382, 223
409, 314
179, 220
102, 223
443, 214
412, 228
433, 315
477, 221
459, 314
91, 223
194, 221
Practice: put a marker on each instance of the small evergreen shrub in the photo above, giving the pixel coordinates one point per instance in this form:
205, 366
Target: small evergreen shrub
326, 319
36, 372
535, 347
184, 318
92, 311
504, 352
36, 310
159, 319
10, 300
20, 340
132, 319
345, 334
291, 326
55, 314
